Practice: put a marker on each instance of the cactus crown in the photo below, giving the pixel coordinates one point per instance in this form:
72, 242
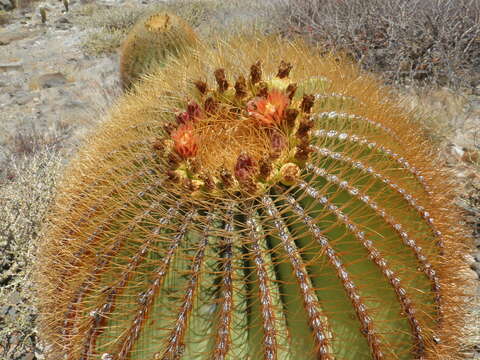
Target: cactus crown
264, 123
232, 208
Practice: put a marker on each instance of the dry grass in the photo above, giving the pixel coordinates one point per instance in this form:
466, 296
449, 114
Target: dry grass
450, 119
420, 41
23, 202
32, 154
109, 25
433, 41
469, 202
24, 141
443, 110
5, 17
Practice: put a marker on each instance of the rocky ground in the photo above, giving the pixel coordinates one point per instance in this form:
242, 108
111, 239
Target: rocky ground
48, 90
51, 92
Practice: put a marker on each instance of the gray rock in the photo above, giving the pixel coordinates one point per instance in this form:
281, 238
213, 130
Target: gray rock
475, 267
50, 80
16, 65
476, 255
29, 356
22, 98
62, 20
4, 100
12, 311
63, 23
6, 37
6, 5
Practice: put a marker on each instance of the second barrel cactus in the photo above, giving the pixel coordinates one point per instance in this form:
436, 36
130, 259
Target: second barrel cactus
256, 201
151, 42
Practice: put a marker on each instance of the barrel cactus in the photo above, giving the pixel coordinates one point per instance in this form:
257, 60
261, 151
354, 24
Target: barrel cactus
254, 201
151, 42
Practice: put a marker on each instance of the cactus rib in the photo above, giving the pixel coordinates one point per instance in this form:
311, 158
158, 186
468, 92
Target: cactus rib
131, 335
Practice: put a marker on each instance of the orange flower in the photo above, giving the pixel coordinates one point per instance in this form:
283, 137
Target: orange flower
185, 142
269, 111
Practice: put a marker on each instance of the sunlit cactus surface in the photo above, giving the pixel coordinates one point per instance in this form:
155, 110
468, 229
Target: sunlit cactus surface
254, 201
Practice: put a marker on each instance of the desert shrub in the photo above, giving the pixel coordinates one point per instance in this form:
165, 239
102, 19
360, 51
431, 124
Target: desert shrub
424, 40
110, 25
4, 17
25, 140
24, 200
23, 203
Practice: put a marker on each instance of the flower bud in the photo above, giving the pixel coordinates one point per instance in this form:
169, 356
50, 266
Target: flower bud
244, 168
185, 142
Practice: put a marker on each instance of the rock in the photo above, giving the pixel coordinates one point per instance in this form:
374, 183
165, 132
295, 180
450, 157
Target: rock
4, 309
6, 5
477, 256
63, 23
16, 65
29, 356
62, 20
22, 98
48, 81
469, 259
4, 100
6, 37
475, 267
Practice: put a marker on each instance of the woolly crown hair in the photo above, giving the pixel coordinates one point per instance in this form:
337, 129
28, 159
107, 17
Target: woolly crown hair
254, 201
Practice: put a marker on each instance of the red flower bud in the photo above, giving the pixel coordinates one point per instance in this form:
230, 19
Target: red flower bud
244, 168
185, 142
182, 118
194, 111
256, 72
278, 143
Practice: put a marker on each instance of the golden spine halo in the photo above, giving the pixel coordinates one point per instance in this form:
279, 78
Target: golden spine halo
255, 200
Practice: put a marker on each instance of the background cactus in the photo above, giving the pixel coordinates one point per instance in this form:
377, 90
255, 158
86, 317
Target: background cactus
273, 205
151, 41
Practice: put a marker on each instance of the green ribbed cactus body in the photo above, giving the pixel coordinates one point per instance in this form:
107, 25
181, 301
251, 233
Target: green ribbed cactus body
150, 44
275, 209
